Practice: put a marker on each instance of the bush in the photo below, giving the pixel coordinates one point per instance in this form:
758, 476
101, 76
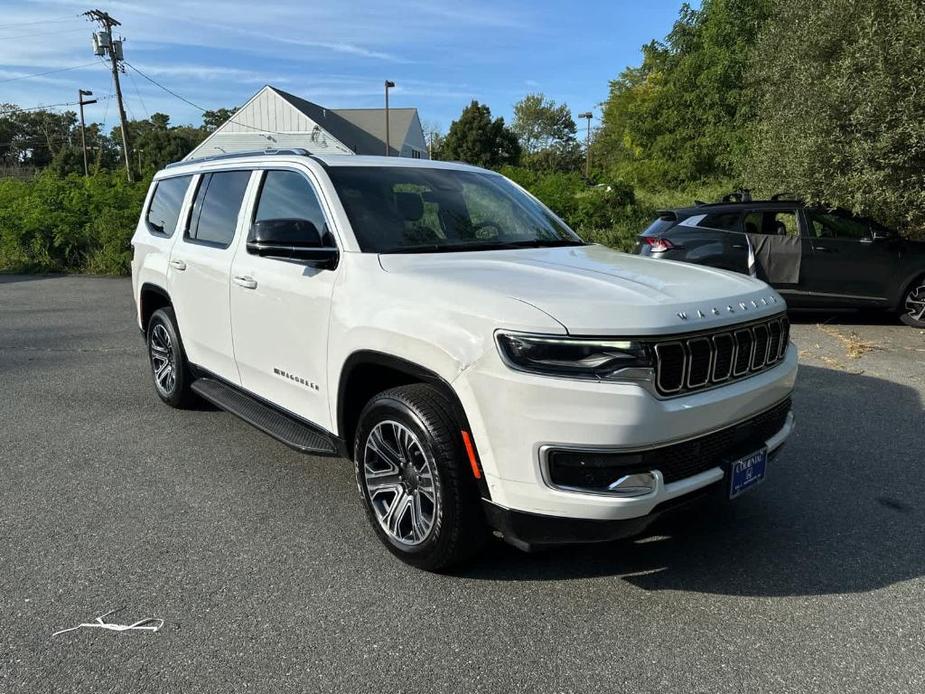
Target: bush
607, 213
69, 224
841, 108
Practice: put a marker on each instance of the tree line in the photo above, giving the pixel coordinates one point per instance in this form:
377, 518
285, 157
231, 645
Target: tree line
821, 100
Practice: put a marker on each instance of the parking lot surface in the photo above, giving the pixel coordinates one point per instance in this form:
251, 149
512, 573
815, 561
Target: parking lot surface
262, 565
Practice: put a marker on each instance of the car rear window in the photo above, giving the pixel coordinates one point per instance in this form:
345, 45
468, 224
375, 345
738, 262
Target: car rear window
727, 221
658, 226
164, 210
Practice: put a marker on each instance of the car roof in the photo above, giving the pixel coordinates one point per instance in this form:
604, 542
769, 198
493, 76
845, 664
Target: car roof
262, 158
729, 207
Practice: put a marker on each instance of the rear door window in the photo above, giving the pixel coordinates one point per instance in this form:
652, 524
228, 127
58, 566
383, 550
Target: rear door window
772, 222
214, 217
164, 210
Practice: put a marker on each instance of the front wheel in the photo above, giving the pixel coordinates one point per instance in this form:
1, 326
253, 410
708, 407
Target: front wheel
913, 309
169, 368
411, 471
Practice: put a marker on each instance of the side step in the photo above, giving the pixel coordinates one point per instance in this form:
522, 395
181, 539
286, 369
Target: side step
294, 433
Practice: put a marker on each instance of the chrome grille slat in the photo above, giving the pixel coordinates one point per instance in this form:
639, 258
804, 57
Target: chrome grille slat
724, 345
689, 364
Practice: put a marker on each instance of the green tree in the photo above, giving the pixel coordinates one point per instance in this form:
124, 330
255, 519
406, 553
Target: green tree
34, 138
838, 86
213, 119
477, 139
155, 143
546, 132
682, 115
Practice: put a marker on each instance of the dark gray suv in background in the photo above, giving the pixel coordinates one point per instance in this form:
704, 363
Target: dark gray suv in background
814, 256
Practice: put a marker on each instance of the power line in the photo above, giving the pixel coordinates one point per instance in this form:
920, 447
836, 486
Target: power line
44, 33
197, 106
49, 72
65, 18
169, 91
138, 94
46, 107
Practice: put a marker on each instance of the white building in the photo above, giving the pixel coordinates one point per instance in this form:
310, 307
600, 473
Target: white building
276, 119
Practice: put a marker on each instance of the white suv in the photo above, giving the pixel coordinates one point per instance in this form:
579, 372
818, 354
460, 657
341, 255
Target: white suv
483, 366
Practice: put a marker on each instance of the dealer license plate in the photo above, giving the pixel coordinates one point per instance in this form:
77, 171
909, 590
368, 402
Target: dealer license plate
745, 473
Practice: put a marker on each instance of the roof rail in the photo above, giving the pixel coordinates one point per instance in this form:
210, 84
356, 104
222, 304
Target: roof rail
790, 197
298, 151
741, 195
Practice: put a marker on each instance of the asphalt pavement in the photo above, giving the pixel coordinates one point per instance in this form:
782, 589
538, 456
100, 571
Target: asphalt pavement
268, 578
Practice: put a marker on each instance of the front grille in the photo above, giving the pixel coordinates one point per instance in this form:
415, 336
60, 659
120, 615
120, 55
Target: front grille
688, 364
595, 470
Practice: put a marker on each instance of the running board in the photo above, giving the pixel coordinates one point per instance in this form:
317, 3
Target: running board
296, 434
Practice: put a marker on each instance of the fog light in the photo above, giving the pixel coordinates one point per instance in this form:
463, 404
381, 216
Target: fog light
616, 474
628, 486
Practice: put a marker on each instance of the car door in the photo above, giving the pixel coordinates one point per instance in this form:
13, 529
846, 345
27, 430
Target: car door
199, 271
280, 309
713, 238
846, 266
776, 247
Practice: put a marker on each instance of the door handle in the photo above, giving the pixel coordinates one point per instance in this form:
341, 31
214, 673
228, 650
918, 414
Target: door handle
739, 245
822, 249
245, 281
179, 264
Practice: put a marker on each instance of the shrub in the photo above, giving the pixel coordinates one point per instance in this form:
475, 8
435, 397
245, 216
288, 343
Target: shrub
69, 224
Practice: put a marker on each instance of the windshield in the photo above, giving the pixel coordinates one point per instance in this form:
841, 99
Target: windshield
398, 209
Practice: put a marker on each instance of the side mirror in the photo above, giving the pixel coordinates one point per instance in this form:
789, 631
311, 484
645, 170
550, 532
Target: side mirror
881, 235
296, 240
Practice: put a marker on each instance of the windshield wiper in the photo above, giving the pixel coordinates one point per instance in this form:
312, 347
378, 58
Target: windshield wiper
485, 246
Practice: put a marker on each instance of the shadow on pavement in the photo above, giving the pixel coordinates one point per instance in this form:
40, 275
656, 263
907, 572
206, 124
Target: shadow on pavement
840, 511
7, 278
845, 317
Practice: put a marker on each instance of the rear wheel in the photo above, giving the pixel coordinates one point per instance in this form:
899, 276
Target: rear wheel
169, 367
412, 475
913, 308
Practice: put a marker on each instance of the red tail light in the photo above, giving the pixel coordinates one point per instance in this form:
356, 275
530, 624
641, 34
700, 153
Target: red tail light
657, 245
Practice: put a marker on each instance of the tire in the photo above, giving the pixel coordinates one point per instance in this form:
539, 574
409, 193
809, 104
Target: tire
169, 368
912, 309
408, 448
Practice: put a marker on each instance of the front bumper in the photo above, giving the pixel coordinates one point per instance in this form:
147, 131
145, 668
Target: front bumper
531, 531
515, 417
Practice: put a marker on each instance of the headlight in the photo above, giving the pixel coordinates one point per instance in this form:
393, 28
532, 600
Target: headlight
598, 359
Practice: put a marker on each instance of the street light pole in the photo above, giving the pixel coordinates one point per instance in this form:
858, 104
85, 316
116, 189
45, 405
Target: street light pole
81, 93
588, 115
388, 146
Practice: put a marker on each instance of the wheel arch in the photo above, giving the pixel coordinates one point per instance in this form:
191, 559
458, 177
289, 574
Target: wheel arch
151, 297
905, 286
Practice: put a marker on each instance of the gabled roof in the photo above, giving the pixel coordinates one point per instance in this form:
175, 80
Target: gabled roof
277, 119
361, 129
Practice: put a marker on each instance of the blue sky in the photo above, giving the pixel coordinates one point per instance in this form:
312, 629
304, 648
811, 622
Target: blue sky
334, 52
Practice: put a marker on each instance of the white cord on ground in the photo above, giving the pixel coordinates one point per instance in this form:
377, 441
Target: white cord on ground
142, 625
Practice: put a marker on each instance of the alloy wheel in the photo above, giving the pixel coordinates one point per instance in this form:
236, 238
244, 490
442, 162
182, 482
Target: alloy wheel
915, 303
163, 359
399, 478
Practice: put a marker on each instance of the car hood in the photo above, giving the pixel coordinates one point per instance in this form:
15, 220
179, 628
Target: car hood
594, 290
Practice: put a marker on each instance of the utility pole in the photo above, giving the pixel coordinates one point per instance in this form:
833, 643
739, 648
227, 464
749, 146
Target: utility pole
388, 147
103, 44
81, 93
589, 116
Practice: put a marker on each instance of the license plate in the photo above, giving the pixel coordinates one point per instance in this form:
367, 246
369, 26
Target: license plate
745, 473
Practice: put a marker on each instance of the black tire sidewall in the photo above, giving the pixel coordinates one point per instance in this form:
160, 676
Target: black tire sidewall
439, 446
180, 394
903, 315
